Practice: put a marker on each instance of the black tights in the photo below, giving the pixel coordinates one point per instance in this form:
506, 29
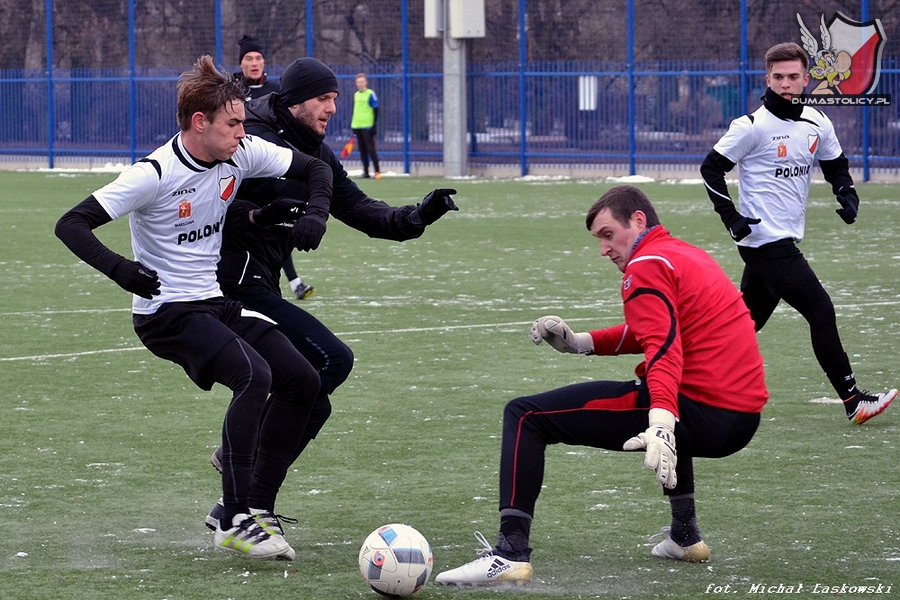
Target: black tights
779, 271
259, 433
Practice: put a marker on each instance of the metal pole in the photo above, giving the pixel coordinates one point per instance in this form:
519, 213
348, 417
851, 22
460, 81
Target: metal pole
51, 113
218, 25
455, 158
523, 98
632, 144
866, 142
745, 53
310, 47
132, 84
404, 16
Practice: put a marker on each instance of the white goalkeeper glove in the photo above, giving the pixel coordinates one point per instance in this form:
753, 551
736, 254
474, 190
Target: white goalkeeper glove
659, 441
560, 336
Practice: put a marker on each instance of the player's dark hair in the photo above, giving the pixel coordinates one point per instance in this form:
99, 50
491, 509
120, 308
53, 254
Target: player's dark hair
785, 52
205, 89
622, 201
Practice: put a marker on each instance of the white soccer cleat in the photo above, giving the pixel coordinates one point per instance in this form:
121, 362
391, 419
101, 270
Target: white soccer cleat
271, 524
871, 405
668, 548
249, 538
489, 569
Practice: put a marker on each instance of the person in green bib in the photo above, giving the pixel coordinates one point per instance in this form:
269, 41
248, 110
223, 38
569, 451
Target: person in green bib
365, 116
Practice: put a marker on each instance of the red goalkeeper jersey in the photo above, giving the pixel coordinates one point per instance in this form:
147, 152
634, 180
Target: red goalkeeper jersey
688, 319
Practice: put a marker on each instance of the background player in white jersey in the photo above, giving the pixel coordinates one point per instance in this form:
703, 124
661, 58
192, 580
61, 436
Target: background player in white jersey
176, 199
775, 148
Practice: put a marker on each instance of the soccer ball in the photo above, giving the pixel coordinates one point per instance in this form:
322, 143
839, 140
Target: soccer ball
395, 560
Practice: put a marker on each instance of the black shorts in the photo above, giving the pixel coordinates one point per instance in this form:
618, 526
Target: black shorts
778, 266
192, 334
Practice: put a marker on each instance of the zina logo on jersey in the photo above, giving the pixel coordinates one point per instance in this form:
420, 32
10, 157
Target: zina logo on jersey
226, 188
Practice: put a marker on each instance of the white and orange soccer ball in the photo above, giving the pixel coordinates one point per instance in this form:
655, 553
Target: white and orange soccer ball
395, 560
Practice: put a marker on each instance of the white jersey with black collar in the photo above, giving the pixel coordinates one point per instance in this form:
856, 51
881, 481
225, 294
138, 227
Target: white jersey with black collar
775, 159
176, 206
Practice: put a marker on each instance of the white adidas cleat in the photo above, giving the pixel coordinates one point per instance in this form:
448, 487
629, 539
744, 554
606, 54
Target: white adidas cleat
271, 524
488, 569
247, 537
668, 548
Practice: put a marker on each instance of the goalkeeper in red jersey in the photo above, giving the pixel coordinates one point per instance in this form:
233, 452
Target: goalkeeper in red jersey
699, 390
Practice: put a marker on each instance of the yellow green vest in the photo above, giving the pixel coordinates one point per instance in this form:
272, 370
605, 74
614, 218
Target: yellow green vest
363, 113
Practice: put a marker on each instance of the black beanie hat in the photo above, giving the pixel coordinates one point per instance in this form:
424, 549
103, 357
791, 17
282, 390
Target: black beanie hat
306, 78
249, 44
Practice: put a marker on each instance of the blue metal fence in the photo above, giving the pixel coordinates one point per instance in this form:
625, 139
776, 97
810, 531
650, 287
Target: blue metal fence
579, 114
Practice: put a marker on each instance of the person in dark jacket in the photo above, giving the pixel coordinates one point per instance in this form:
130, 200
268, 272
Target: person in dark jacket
252, 59
297, 117
253, 75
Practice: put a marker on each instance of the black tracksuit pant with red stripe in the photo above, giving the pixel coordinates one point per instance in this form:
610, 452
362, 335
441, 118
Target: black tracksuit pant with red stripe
605, 414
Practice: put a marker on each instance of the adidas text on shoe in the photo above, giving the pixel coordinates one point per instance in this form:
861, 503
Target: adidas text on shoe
247, 537
489, 569
697, 553
871, 405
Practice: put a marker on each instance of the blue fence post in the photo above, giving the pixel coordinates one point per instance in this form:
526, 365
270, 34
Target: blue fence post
51, 114
523, 103
218, 25
407, 103
864, 16
745, 52
132, 83
310, 47
632, 145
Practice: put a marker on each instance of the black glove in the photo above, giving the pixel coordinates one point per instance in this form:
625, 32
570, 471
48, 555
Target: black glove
308, 232
849, 202
280, 210
435, 205
136, 278
374, 129
739, 226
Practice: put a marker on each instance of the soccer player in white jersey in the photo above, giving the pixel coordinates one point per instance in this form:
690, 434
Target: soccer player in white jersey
775, 148
176, 199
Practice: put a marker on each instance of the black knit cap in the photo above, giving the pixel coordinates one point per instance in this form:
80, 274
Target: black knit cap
306, 78
249, 44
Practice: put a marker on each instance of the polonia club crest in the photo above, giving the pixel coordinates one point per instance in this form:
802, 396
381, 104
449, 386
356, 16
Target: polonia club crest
813, 142
849, 62
226, 188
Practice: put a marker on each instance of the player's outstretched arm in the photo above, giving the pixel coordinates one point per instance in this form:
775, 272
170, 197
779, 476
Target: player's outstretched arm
560, 336
435, 205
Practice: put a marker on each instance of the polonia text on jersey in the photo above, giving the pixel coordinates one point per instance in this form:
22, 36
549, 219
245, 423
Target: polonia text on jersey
203, 232
795, 171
